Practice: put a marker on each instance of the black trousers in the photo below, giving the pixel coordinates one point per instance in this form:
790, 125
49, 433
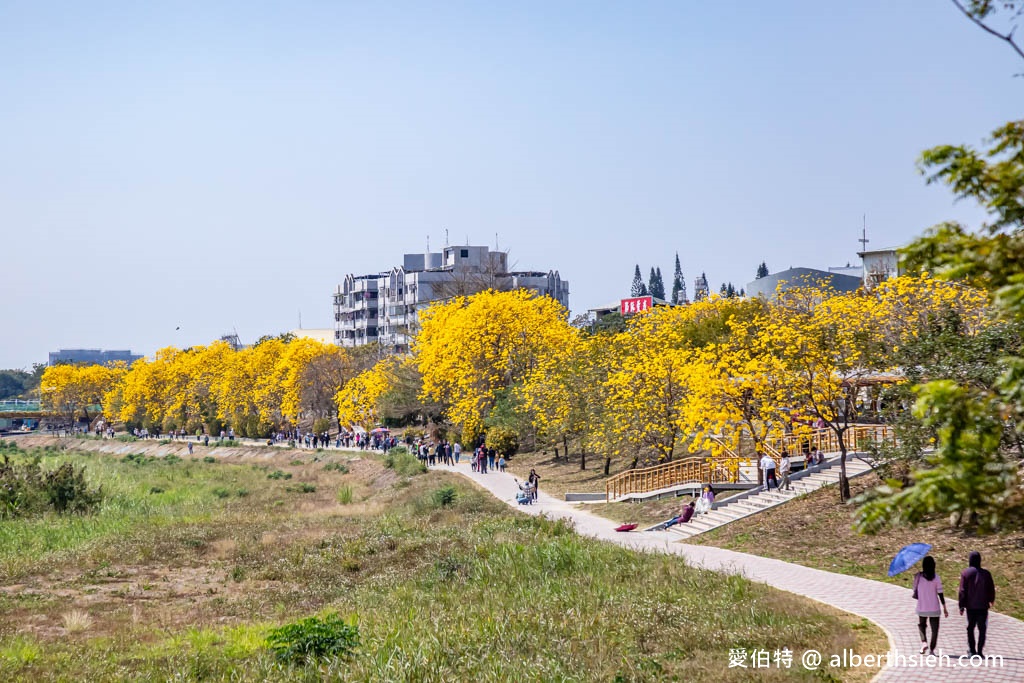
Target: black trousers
977, 618
922, 626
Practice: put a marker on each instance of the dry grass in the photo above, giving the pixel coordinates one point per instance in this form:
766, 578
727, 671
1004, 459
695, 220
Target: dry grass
76, 621
191, 597
794, 532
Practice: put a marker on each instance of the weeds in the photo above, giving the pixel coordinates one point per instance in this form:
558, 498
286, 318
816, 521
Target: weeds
76, 621
345, 494
444, 496
336, 467
309, 640
403, 462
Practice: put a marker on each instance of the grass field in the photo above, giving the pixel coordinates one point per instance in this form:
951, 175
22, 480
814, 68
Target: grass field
794, 532
189, 564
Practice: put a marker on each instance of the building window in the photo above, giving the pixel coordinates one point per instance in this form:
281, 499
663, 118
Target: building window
464, 253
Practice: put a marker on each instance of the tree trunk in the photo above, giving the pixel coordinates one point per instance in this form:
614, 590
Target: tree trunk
565, 448
583, 457
844, 482
607, 465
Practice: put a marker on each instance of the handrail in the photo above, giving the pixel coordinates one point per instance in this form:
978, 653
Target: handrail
724, 469
826, 441
643, 480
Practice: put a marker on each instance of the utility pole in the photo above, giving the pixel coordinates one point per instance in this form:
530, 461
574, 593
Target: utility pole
864, 235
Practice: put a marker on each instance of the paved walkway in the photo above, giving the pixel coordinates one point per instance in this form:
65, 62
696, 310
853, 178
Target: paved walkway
890, 607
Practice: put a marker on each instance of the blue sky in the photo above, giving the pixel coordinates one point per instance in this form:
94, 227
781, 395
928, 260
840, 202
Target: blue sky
220, 166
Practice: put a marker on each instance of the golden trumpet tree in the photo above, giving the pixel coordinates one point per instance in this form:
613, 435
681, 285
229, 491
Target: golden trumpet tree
827, 343
359, 400
564, 395
68, 389
737, 389
472, 348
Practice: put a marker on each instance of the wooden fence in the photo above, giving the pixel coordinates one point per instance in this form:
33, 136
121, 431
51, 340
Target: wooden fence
725, 469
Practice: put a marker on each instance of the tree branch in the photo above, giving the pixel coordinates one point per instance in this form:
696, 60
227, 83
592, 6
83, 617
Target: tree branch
1007, 37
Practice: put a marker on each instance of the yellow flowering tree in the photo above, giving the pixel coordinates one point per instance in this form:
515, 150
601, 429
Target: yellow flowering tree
827, 343
74, 389
471, 349
359, 400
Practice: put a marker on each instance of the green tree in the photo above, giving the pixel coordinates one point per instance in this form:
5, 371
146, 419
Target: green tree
638, 288
762, 271
656, 288
678, 284
974, 470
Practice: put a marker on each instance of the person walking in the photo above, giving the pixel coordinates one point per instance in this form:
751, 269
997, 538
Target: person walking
928, 592
768, 467
458, 451
785, 466
976, 595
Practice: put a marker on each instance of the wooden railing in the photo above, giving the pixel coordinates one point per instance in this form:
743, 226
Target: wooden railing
724, 469
857, 438
668, 474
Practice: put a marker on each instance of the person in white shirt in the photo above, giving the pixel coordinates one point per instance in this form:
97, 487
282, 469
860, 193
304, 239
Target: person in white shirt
784, 469
768, 467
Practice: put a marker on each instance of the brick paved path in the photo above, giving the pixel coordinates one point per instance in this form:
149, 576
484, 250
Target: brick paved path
890, 607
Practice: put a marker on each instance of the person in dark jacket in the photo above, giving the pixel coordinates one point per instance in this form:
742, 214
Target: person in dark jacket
976, 595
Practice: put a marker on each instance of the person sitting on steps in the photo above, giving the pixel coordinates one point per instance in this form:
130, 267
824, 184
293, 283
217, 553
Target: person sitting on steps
684, 516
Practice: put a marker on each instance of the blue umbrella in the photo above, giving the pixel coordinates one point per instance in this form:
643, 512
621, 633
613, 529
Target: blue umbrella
907, 557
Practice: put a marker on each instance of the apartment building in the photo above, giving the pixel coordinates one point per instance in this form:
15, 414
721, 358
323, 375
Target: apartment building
384, 307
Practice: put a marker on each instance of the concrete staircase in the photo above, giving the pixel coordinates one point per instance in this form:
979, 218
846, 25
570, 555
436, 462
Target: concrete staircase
755, 501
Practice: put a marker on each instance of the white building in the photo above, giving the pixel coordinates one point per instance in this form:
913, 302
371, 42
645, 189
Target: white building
879, 265
384, 307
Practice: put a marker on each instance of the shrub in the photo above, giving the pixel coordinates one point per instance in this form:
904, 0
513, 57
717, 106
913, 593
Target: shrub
221, 492
321, 425
296, 463
403, 462
345, 495
444, 496
171, 459
7, 445
209, 459
311, 639
278, 474
138, 459
336, 467
303, 487
226, 443
125, 438
242, 493
503, 440
155, 489
28, 489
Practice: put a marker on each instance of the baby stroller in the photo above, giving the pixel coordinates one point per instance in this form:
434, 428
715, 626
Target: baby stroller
525, 495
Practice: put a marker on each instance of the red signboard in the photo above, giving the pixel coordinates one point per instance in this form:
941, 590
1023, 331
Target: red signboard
635, 305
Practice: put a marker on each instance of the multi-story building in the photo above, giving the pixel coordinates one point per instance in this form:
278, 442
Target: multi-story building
91, 356
384, 307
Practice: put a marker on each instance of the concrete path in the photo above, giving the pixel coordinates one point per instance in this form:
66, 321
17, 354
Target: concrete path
890, 607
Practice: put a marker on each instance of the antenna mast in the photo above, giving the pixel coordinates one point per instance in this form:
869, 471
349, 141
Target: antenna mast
864, 235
